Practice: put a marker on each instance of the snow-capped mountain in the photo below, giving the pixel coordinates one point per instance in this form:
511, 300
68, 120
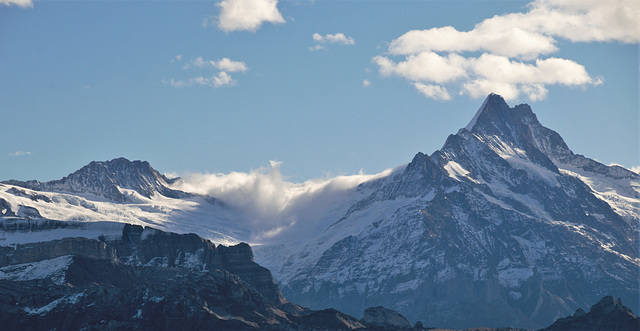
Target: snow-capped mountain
119, 191
503, 226
110, 179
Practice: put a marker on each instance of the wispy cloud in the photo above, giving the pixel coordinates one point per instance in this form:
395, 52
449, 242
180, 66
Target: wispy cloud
19, 153
316, 48
246, 15
336, 38
19, 3
366, 83
219, 79
224, 64
511, 48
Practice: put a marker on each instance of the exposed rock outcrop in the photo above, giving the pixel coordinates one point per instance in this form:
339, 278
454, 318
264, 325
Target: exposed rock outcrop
381, 317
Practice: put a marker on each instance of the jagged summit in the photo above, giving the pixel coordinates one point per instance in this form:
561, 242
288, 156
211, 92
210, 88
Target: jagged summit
496, 117
108, 179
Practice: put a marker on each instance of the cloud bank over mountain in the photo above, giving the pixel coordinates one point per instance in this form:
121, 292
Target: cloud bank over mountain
270, 202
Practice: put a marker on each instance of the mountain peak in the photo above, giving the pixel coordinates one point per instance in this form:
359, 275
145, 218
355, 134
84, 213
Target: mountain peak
491, 100
108, 178
495, 111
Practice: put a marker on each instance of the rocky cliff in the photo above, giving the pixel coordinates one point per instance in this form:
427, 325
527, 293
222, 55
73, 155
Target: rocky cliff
146, 279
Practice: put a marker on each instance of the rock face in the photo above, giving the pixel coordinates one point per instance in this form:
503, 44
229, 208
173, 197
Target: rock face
146, 279
21, 254
503, 226
108, 178
381, 317
607, 314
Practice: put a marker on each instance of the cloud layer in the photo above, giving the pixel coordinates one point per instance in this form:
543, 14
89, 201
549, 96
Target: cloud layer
247, 15
271, 204
219, 79
503, 54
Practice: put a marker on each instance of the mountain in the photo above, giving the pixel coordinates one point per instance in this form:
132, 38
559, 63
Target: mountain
503, 226
111, 180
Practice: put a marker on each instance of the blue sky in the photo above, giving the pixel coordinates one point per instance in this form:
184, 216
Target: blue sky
325, 87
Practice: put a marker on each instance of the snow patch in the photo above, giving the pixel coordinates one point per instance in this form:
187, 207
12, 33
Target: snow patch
54, 269
514, 277
67, 299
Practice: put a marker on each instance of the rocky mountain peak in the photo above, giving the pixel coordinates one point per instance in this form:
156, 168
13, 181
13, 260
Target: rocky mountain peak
108, 179
495, 113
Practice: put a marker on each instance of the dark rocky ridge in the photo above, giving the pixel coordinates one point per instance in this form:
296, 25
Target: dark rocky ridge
608, 314
150, 279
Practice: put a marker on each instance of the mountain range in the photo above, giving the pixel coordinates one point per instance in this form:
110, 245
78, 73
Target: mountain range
503, 226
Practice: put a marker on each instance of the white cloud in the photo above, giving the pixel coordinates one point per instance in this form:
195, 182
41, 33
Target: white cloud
426, 66
220, 79
19, 153
337, 38
511, 47
366, 83
433, 91
225, 64
636, 169
510, 42
19, 3
272, 204
248, 15
316, 48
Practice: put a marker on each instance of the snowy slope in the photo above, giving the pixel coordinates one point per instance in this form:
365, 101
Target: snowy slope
192, 214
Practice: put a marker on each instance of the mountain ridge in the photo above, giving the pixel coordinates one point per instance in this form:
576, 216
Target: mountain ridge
108, 178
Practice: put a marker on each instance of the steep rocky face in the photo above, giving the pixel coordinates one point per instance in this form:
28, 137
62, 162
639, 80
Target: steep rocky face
21, 254
108, 295
502, 226
108, 178
146, 279
146, 246
607, 314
